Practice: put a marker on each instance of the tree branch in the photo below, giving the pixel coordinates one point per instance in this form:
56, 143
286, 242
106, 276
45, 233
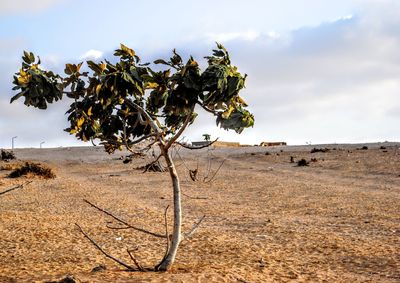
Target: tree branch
146, 115
205, 108
103, 252
124, 222
207, 180
194, 228
177, 135
186, 195
152, 163
131, 255
196, 147
15, 187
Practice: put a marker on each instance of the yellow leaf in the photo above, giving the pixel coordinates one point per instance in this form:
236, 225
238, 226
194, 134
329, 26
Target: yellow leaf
73, 131
128, 50
241, 101
193, 63
80, 122
23, 80
102, 66
228, 112
98, 88
89, 112
78, 67
151, 85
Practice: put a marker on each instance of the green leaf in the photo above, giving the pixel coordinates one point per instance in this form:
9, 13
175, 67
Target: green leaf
15, 97
95, 67
160, 61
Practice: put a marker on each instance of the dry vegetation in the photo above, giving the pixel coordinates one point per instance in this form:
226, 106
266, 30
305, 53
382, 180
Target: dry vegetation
267, 219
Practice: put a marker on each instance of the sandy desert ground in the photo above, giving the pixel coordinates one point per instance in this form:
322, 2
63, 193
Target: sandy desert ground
267, 220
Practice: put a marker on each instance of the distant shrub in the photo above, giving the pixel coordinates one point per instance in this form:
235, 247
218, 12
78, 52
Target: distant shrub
35, 169
7, 155
302, 162
319, 150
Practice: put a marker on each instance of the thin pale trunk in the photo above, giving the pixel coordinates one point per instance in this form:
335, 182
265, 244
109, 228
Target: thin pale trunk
169, 259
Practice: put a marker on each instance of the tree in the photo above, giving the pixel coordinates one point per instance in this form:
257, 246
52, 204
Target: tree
207, 137
125, 103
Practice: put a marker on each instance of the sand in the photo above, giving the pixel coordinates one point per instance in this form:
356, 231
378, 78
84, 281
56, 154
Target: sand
266, 220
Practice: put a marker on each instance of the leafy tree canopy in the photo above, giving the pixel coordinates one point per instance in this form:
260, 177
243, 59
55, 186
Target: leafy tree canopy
114, 102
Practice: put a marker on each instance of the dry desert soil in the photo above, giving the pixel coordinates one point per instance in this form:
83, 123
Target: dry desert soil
266, 219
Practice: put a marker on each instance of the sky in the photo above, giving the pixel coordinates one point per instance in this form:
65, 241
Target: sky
319, 71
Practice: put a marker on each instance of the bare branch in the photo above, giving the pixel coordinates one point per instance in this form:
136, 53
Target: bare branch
215, 173
152, 163
151, 121
91, 140
15, 187
103, 252
118, 228
186, 195
179, 133
205, 108
196, 147
194, 228
124, 222
131, 255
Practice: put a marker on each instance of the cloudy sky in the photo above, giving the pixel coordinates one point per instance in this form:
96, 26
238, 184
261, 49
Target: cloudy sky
318, 71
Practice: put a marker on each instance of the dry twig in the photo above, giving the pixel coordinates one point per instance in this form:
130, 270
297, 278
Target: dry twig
128, 226
132, 256
194, 228
103, 252
15, 187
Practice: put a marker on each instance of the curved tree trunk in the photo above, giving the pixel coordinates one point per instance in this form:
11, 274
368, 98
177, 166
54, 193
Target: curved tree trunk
169, 258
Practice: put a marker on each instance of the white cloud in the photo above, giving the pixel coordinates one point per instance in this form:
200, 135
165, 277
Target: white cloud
12, 6
224, 37
91, 54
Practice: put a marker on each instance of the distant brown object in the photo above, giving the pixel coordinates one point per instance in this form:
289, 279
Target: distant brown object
216, 144
272, 143
314, 150
302, 162
153, 167
193, 174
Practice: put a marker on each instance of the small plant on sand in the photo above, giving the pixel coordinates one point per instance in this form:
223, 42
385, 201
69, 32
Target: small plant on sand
34, 169
302, 162
7, 155
125, 103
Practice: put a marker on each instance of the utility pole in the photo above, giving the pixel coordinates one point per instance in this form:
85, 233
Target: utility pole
12, 142
41, 144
